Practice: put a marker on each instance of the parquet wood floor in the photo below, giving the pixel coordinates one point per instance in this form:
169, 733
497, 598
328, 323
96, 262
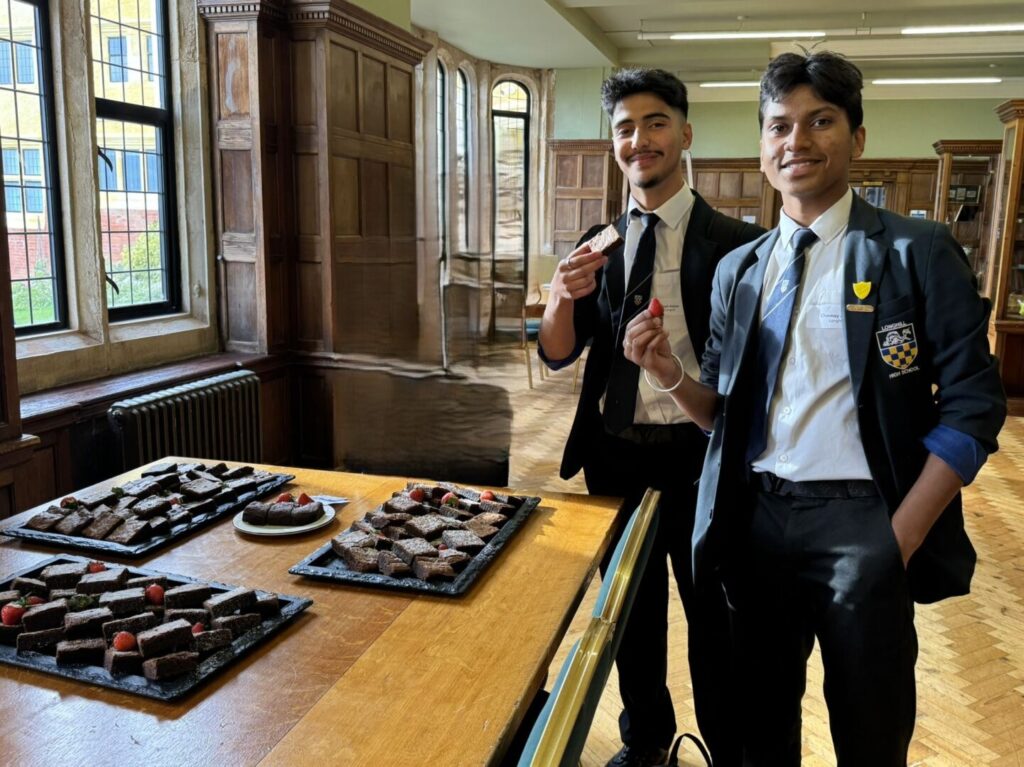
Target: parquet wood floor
971, 666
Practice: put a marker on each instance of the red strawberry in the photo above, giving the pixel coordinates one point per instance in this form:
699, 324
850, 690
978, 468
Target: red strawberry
10, 614
486, 495
96, 567
655, 308
418, 494
285, 498
124, 641
450, 499
155, 594
198, 628
304, 499
33, 600
69, 502
442, 547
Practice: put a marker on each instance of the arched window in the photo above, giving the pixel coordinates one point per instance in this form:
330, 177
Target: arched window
442, 159
510, 110
462, 160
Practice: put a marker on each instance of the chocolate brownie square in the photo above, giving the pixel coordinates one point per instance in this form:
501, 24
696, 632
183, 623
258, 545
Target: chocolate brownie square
403, 504
353, 539
132, 624
268, 605
389, 564
86, 623
73, 523
168, 666
131, 531
118, 663
84, 652
359, 559
45, 616
463, 540
159, 525
56, 594
200, 488
255, 513
124, 601
228, 602
491, 518
112, 579
456, 559
164, 638
178, 515
39, 641
431, 568
9, 634
141, 581
189, 595
141, 488
236, 472
102, 525
193, 615
94, 498
158, 469
28, 586
238, 624
308, 513
9, 596
44, 520
411, 548
151, 507
208, 641
484, 531
429, 526
63, 576
381, 519
280, 513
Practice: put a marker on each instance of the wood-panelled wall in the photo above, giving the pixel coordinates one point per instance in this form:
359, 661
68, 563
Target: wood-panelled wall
587, 189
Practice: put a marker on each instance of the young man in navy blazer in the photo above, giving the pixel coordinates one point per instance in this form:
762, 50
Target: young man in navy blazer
626, 436
851, 393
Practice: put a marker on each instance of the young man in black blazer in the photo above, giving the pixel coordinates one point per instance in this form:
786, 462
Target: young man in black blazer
851, 393
626, 435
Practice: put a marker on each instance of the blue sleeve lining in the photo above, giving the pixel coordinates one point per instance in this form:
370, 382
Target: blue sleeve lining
961, 452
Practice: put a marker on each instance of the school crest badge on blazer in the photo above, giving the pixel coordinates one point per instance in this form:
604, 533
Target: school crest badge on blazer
898, 344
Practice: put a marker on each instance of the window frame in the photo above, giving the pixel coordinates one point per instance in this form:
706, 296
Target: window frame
163, 121
49, 169
526, 117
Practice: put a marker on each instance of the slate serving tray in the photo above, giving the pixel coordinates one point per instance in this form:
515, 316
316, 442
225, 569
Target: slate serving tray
80, 543
324, 564
138, 685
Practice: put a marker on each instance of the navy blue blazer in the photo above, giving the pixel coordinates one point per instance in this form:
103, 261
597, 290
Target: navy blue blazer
709, 236
924, 291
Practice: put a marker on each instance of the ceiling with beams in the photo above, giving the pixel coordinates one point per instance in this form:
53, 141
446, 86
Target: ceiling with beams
606, 33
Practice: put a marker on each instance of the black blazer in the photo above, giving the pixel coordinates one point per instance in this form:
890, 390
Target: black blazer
709, 236
920, 281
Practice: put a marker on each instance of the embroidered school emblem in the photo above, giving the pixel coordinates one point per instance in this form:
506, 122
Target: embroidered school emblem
898, 345
861, 289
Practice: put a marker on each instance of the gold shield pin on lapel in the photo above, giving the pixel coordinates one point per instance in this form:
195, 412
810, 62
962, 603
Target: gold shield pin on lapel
862, 290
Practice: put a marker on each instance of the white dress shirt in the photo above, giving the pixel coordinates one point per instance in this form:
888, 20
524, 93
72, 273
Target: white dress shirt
653, 407
812, 422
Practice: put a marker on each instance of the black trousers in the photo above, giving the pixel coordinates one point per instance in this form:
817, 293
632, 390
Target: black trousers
671, 462
831, 569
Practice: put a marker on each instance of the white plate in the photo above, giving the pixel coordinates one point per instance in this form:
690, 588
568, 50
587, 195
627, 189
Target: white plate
245, 527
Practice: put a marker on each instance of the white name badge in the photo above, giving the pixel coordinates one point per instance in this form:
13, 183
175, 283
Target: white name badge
825, 317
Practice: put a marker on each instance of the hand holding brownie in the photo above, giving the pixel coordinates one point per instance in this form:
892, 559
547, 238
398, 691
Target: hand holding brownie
575, 275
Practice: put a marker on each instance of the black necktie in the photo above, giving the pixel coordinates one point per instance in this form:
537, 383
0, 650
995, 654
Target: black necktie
775, 321
620, 396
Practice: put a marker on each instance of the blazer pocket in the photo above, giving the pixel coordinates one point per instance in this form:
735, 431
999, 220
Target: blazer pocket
887, 310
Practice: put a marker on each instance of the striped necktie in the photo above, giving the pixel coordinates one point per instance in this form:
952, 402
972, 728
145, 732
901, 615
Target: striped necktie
775, 321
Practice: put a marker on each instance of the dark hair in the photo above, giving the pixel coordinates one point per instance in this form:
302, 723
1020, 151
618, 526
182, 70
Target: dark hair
832, 77
665, 85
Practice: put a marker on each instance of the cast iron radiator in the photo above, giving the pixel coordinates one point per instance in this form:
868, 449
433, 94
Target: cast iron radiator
213, 418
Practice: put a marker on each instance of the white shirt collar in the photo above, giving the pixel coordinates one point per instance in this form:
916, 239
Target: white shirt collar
827, 226
672, 211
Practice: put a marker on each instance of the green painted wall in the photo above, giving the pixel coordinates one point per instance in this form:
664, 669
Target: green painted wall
395, 11
904, 129
578, 112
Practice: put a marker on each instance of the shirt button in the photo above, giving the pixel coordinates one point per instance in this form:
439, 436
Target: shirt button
792, 360
787, 410
784, 458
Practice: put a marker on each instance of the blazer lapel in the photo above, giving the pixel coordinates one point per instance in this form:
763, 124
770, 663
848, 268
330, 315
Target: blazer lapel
864, 256
746, 300
695, 275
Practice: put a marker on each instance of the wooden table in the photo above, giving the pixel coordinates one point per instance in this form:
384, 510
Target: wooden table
364, 677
